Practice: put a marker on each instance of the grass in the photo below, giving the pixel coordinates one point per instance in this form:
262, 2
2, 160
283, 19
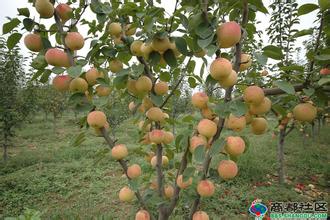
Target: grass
46, 173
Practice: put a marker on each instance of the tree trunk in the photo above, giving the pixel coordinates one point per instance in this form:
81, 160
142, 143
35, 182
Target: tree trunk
280, 154
313, 130
163, 213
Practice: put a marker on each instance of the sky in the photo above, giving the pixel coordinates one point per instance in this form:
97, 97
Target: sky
9, 9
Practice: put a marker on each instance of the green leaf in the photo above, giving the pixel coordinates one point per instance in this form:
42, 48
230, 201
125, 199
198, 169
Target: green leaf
259, 5
233, 158
306, 8
181, 45
261, 59
138, 69
199, 153
81, 62
303, 33
192, 82
191, 66
13, 40
178, 141
216, 146
37, 74
46, 43
188, 118
148, 24
322, 57
279, 109
24, 11
154, 58
170, 58
204, 31
120, 81
222, 109
58, 70
9, 26
273, 52
309, 91
156, 99
203, 43
28, 24
102, 82
39, 62
45, 76
238, 108
292, 67
74, 71
187, 173
323, 81
165, 76
285, 86
77, 98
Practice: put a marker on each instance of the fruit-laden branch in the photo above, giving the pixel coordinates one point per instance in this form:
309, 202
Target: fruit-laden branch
297, 87
228, 94
172, 18
147, 69
176, 85
78, 18
123, 164
183, 166
276, 91
317, 44
62, 33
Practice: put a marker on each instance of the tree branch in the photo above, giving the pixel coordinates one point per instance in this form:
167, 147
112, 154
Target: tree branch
289, 130
176, 85
183, 166
277, 91
78, 18
227, 98
147, 69
62, 33
159, 165
172, 18
111, 144
204, 4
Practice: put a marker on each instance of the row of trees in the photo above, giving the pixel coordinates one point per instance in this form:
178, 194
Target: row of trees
21, 98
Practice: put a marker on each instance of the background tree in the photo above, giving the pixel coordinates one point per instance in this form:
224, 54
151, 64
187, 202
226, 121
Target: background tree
11, 108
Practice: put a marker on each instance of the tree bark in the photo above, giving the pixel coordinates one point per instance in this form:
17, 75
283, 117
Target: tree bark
313, 132
160, 175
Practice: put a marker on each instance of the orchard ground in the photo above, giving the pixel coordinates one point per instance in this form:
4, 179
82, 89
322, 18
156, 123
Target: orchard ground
46, 173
